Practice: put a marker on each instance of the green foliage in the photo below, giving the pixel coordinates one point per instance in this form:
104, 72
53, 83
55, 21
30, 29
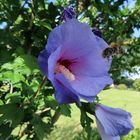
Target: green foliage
134, 135
136, 84
83, 135
86, 123
122, 86
11, 114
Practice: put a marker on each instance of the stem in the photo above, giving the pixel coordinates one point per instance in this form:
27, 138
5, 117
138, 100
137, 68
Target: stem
56, 116
40, 86
11, 88
39, 112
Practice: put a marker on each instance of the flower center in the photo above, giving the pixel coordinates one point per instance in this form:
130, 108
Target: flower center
62, 67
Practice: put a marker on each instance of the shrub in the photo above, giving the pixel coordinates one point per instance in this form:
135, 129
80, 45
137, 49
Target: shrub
133, 135
136, 84
122, 86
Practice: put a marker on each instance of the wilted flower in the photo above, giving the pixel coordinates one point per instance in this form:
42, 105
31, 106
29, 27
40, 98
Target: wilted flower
73, 62
112, 122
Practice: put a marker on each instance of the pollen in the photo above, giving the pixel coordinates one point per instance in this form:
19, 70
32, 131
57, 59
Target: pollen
67, 73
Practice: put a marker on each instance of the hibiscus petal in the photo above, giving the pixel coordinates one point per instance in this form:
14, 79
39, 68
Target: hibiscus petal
67, 37
115, 121
92, 64
62, 79
43, 61
85, 87
64, 93
90, 86
52, 63
55, 39
102, 133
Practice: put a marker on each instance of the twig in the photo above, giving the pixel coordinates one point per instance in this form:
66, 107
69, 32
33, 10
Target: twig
42, 111
11, 88
40, 86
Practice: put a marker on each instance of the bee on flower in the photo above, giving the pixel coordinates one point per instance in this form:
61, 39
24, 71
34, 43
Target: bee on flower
113, 49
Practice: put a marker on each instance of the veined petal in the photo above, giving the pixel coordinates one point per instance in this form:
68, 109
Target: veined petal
74, 38
85, 87
102, 133
92, 63
115, 121
90, 86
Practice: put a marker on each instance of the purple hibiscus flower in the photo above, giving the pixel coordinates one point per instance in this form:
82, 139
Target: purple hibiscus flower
72, 60
112, 122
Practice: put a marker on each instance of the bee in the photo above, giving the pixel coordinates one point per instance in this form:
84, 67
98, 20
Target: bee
113, 49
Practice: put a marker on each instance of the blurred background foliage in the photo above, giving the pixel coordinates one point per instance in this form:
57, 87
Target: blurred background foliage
28, 109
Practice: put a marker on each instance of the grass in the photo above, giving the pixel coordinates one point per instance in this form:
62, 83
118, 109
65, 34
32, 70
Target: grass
126, 99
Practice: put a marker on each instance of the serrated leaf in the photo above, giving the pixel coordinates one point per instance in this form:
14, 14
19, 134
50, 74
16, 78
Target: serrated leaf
11, 113
12, 77
86, 122
7, 66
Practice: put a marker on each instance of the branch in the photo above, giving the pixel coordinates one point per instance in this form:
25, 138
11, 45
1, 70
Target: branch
40, 86
39, 112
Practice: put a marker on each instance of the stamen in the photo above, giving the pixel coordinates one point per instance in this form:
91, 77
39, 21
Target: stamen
62, 69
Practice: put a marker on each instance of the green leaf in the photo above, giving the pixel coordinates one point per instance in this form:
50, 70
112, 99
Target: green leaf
7, 66
14, 97
51, 102
11, 113
5, 131
1, 102
43, 23
40, 127
31, 62
34, 85
65, 110
12, 77
86, 122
